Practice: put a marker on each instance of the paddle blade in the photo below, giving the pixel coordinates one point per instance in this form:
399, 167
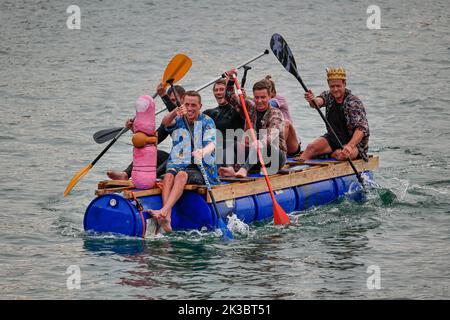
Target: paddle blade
106, 134
279, 216
177, 68
283, 53
226, 233
77, 177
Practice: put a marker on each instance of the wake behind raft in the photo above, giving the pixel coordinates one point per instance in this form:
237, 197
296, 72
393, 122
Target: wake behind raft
121, 205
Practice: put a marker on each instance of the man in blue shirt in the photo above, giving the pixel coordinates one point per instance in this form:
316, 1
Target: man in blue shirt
181, 165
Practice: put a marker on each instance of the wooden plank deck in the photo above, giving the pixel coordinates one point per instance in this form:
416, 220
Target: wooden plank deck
318, 171
282, 181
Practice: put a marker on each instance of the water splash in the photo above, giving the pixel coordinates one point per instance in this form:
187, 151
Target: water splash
238, 226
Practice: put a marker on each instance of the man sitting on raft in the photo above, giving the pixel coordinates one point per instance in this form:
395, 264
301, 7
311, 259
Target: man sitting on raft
346, 115
269, 120
181, 167
226, 118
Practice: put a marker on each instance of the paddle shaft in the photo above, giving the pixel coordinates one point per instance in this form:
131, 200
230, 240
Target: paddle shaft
125, 129
222, 76
255, 140
358, 175
244, 65
244, 77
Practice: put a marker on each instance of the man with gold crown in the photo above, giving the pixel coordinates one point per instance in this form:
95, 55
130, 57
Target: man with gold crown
346, 115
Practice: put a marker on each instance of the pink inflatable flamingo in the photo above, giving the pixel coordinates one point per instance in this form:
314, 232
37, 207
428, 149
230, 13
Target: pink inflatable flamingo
144, 154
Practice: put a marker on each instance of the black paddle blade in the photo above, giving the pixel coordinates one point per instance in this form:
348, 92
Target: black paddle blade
283, 53
105, 135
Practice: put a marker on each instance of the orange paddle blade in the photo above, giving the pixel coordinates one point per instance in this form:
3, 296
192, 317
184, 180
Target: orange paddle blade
177, 68
279, 216
77, 177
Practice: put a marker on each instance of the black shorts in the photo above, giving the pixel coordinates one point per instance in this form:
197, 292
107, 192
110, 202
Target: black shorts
194, 174
332, 142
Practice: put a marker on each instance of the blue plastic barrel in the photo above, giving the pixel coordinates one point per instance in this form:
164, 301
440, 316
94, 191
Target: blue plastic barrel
264, 207
113, 214
315, 194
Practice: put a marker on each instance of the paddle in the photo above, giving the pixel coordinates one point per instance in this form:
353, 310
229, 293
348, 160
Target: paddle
279, 216
176, 69
283, 53
108, 134
244, 77
220, 223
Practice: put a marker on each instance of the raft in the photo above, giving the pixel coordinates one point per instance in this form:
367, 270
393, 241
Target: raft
298, 186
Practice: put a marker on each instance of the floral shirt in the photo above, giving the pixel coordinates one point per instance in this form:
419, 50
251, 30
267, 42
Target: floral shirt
355, 116
272, 121
181, 153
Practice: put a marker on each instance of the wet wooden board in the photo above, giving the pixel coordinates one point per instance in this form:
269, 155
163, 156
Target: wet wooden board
103, 191
128, 194
282, 181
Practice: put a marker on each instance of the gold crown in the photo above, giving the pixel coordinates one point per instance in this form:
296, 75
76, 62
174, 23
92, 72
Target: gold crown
336, 74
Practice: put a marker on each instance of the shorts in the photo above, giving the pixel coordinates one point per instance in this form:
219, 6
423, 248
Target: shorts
332, 142
194, 174
296, 153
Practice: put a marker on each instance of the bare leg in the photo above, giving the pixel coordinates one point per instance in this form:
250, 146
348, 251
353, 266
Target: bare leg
339, 156
241, 173
315, 148
226, 172
167, 187
163, 216
117, 175
290, 134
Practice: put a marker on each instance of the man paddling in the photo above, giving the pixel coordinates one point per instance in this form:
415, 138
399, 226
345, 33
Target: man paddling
293, 143
225, 118
181, 166
263, 117
347, 116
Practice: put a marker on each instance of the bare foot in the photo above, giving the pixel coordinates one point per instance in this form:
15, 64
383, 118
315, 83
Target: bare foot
226, 172
242, 173
152, 227
163, 218
165, 223
117, 175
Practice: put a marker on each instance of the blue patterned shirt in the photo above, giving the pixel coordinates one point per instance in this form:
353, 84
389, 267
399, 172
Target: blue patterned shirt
181, 153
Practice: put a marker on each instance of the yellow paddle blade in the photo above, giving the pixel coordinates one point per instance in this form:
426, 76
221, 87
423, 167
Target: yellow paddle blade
77, 177
177, 68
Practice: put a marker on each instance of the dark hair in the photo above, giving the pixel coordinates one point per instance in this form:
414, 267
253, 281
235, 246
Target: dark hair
220, 81
179, 90
193, 93
261, 85
272, 83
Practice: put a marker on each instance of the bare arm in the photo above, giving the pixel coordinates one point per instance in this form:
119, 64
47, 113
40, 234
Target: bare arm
309, 96
357, 137
351, 145
169, 119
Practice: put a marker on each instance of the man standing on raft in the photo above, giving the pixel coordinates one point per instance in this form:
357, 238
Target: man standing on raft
346, 115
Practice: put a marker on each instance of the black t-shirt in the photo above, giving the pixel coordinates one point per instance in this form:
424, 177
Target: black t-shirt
336, 118
225, 117
258, 124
